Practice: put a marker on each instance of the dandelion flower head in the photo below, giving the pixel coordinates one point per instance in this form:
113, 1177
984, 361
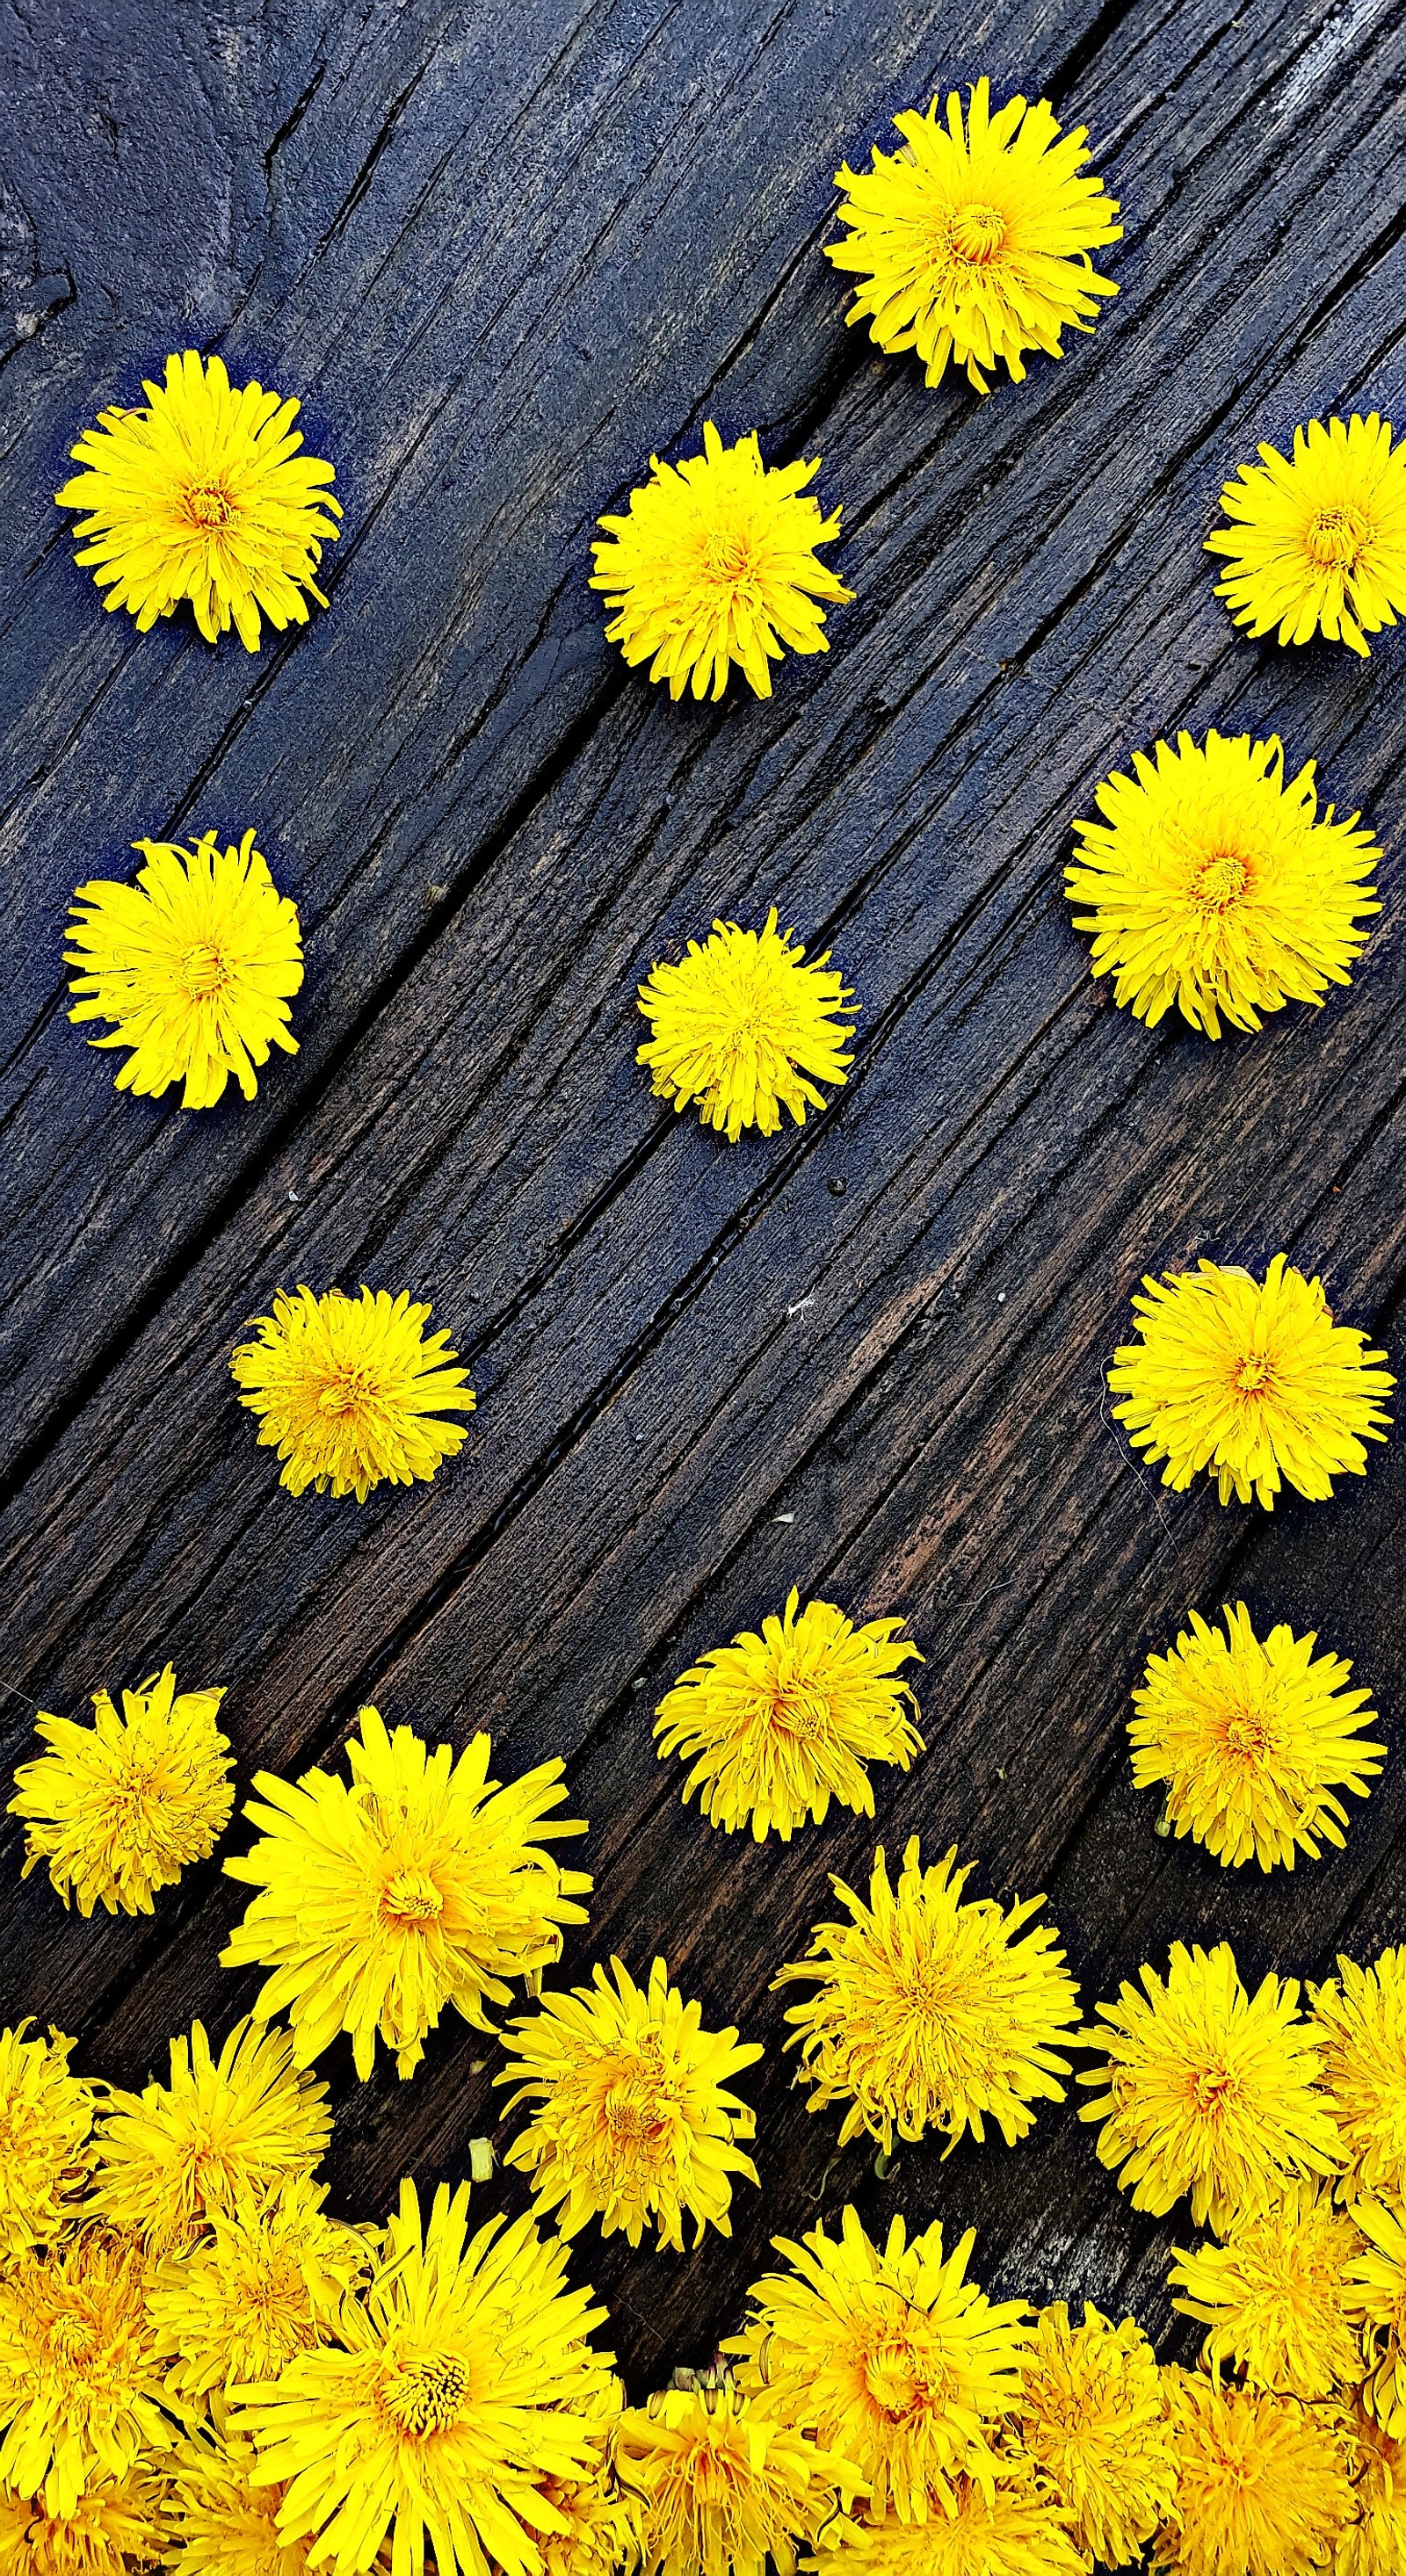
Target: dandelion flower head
600, 2533
347, 1390
1262, 2485
195, 966
1213, 884
891, 2357
1208, 2090
80, 2386
972, 240
417, 1884
225, 2523
1274, 2296
265, 2281
245, 2121
1360, 2018
1014, 2526
713, 563
46, 2120
1376, 2295
932, 2013
632, 2121
720, 2485
777, 1725
1318, 540
1374, 2543
117, 2524
1092, 2418
746, 1028
119, 1808
1250, 1380
201, 494
1249, 1737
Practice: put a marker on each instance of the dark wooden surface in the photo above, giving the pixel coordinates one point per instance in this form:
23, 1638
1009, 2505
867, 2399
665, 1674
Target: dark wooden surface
502, 254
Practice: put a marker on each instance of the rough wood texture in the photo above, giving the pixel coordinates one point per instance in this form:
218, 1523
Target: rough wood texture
502, 255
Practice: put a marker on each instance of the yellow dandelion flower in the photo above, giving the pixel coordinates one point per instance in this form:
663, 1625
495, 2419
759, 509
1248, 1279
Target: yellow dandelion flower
201, 494
713, 563
600, 2521
721, 2485
46, 2120
1214, 884
741, 1026
1275, 2294
1374, 2542
421, 1884
1208, 2090
890, 2356
1376, 2293
777, 1725
1319, 540
347, 1390
223, 2524
115, 2525
246, 2121
266, 2281
1250, 1737
119, 1808
973, 239
1251, 1380
195, 965
1092, 2416
463, 2382
1361, 2026
632, 2123
1262, 2486
930, 2013
1014, 2528
80, 2385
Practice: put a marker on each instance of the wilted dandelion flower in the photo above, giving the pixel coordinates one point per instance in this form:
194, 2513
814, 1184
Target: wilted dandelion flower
1215, 885
419, 1884
347, 1390
1250, 1737
930, 2013
119, 1808
777, 1725
1208, 2090
195, 965
265, 2281
1012, 2527
746, 1028
1274, 2295
46, 2119
1374, 2543
973, 239
1251, 1380
1092, 2416
80, 2386
720, 2485
462, 2383
1376, 2294
117, 2524
631, 2121
1262, 2485
713, 563
246, 2121
223, 2524
201, 494
891, 2357
1361, 2028
1319, 541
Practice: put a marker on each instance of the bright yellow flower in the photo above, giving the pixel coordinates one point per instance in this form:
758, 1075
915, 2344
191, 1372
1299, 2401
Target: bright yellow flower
601, 2533
1252, 1381
201, 495
463, 2384
46, 2119
1262, 2486
195, 964
1208, 2090
741, 1026
115, 2526
932, 2014
80, 2385
119, 1808
1374, 2543
1376, 2293
1319, 541
267, 2280
347, 1389
1017, 2528
632, 2123
720, 2485
1214, 885
777, 1725
1275, 2295
1092, 2415
420, 1884
891, 2357
1249, 1738
245, 2121
1361, 2026
225, 2525
713, 563
974, 237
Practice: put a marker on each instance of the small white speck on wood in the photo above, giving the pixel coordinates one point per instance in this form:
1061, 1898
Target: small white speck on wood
480, 2159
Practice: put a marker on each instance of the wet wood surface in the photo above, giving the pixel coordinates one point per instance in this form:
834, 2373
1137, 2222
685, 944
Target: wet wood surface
501, 256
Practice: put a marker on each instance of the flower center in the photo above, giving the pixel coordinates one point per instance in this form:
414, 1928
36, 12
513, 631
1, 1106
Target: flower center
208, 507
1220, 881
977, 233
347, 1391
428, 2396
205, 970
1336, 538
1211, 2089
799, 1710
892, 2380
1252, 1376
729, 560
411, 1896
74, 2339
632, 2111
